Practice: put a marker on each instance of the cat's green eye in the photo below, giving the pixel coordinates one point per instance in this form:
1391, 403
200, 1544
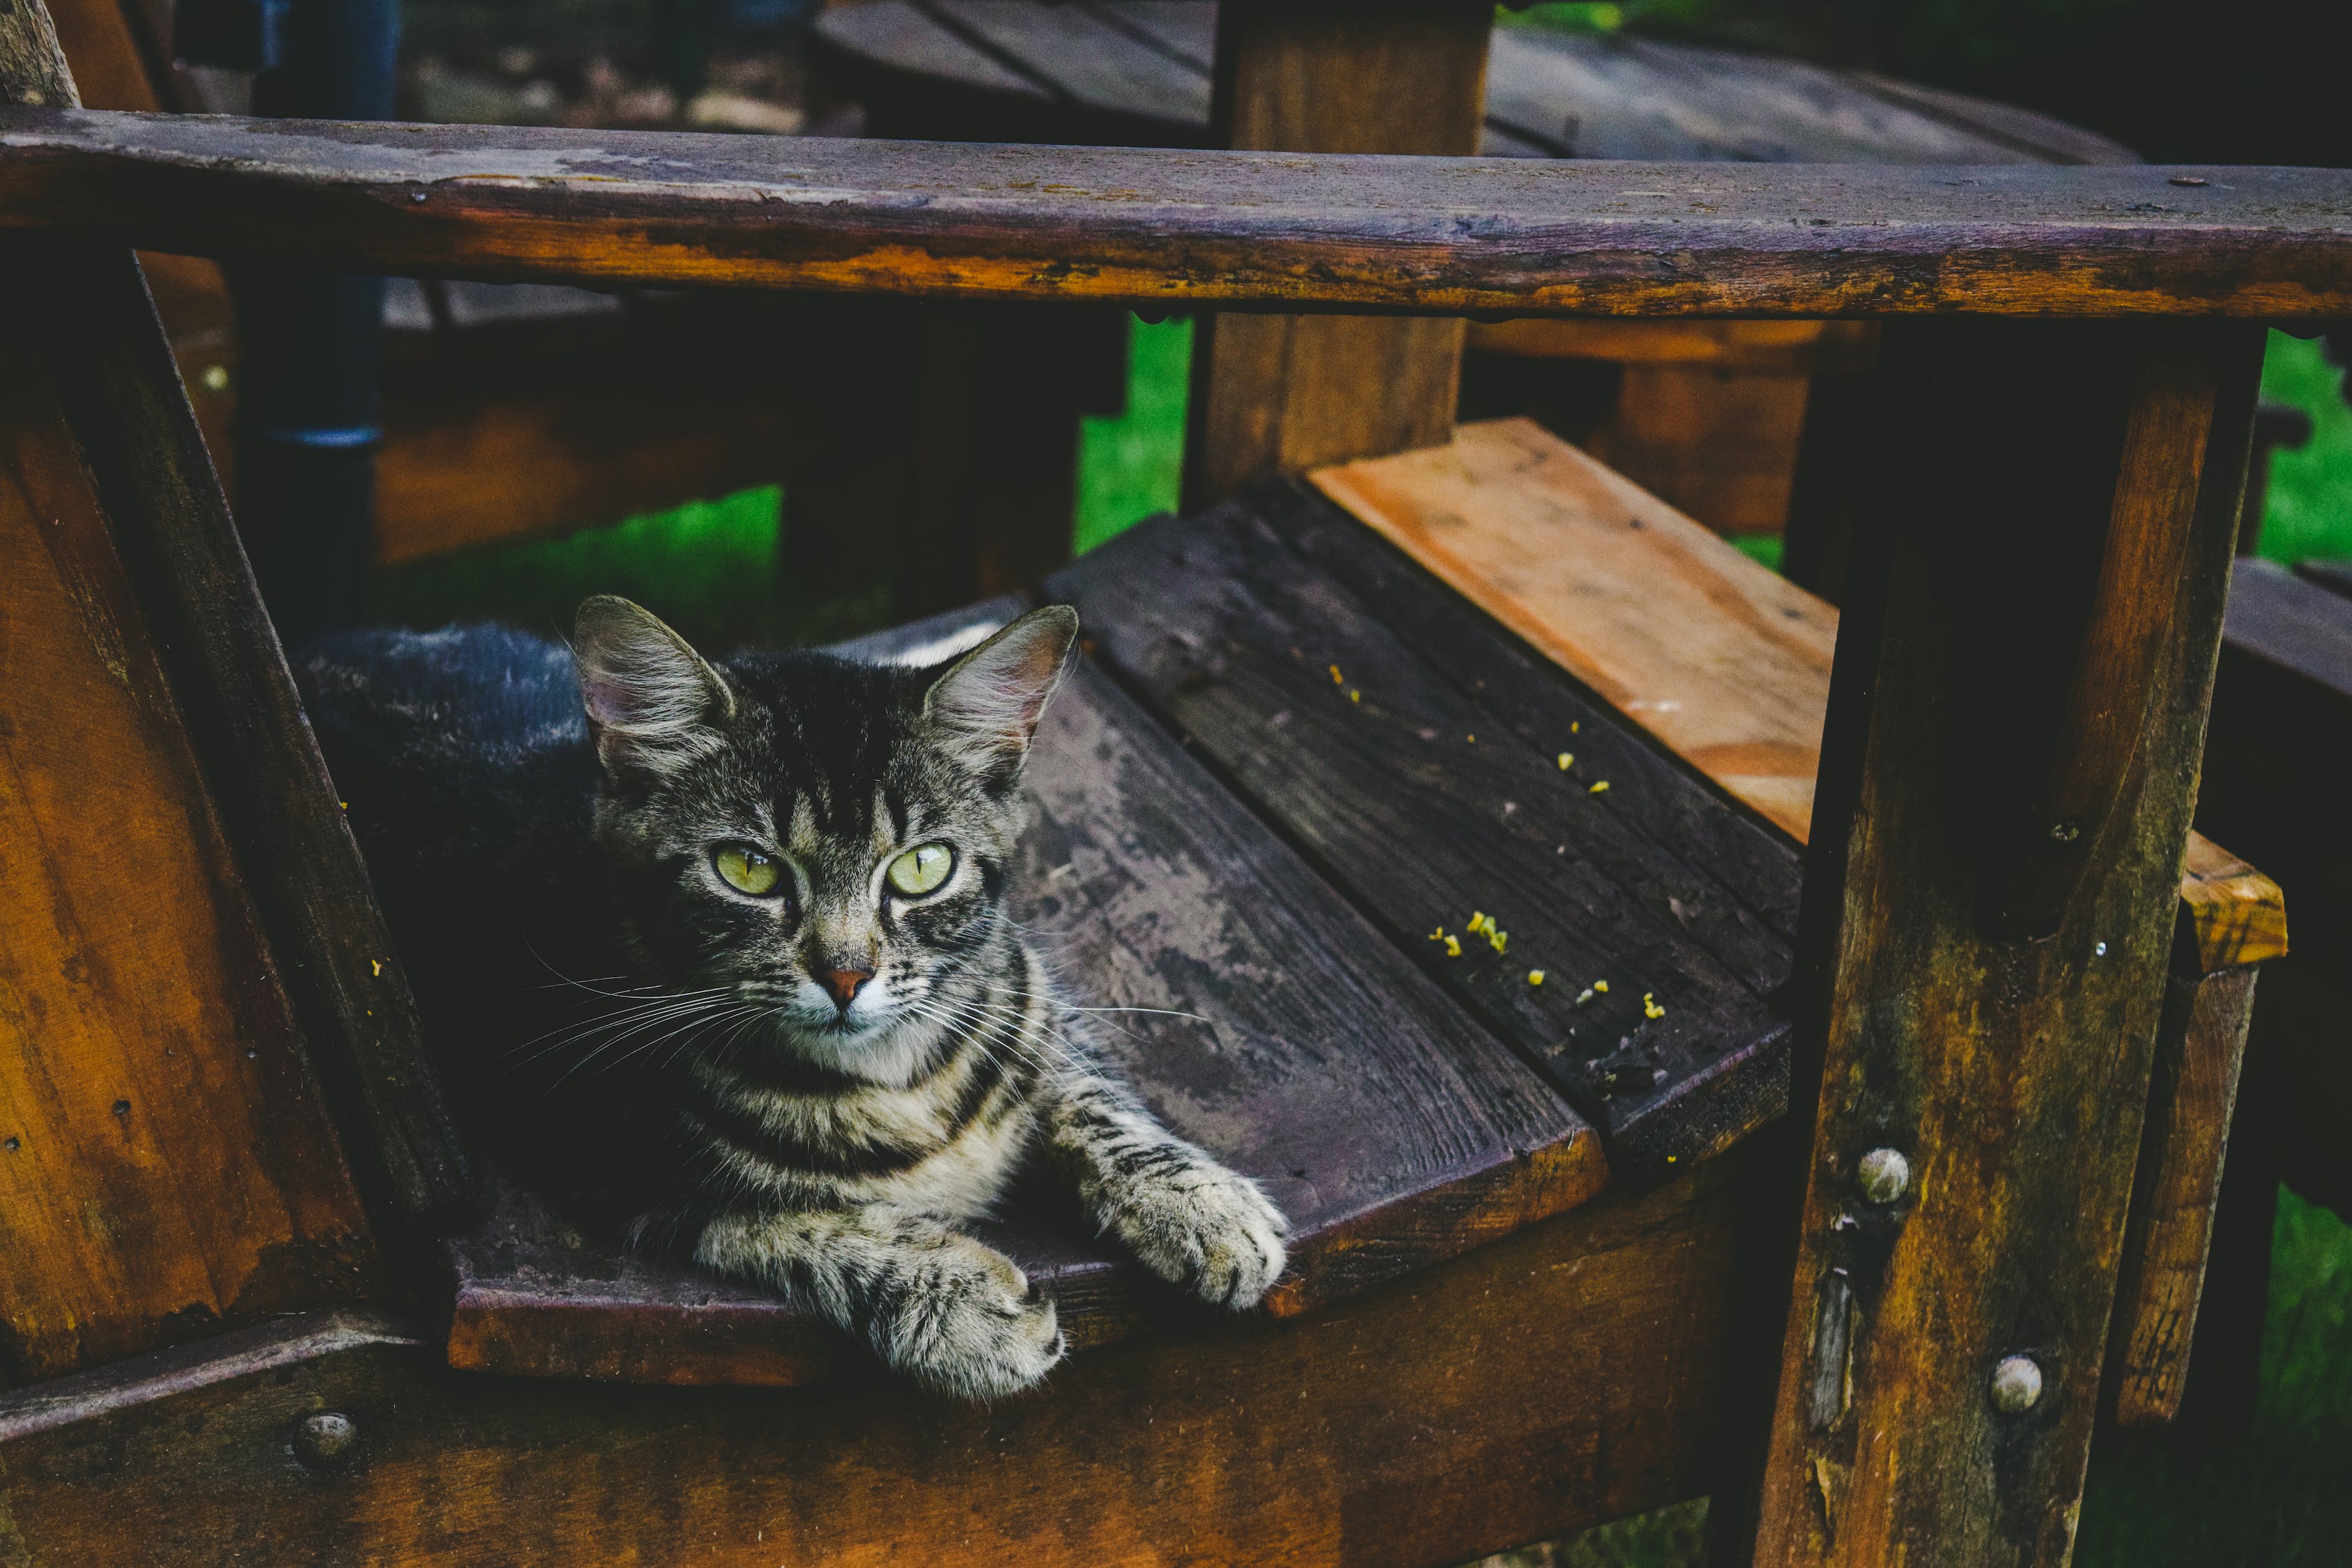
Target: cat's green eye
921, 869
747, 870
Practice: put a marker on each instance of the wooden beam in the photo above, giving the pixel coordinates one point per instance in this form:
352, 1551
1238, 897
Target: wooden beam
1555, 1380
1172, 228
1276, 394
92, 330
2008, 771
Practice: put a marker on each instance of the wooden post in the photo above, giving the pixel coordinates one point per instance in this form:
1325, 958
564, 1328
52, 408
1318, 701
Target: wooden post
2016, 716
1286, 393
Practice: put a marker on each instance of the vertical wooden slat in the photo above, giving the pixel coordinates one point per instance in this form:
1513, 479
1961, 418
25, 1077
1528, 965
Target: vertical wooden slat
166, 1167
1285, 394
2016, 716
92, 330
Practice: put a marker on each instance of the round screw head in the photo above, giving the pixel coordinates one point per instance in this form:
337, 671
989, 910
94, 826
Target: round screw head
325, 1440
2016, 1384
1883, 1175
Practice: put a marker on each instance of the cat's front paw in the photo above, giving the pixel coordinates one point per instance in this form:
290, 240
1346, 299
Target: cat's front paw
1205, 1228
969, 1327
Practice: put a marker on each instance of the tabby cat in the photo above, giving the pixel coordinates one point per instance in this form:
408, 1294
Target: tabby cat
720, 950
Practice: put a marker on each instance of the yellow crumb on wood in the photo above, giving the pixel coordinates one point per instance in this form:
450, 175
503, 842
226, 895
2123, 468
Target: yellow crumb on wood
1535, 977
1452, 947
1355, 696
1650, 1008
1566, 759
1602, 986
1600, 788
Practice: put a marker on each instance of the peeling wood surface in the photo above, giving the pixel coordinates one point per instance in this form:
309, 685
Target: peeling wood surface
1277, 1028
1423, 781
1362, 1436
1170, 227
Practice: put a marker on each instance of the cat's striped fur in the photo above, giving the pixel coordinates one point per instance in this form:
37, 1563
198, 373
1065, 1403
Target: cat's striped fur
839, 1071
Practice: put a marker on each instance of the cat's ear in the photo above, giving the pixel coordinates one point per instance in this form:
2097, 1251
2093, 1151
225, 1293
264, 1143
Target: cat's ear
650, 698
986, 707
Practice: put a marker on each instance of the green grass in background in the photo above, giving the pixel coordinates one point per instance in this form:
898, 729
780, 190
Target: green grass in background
709, 568
1130, 467
2309, 512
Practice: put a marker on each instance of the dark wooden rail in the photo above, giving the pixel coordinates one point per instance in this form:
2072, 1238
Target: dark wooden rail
1175, 228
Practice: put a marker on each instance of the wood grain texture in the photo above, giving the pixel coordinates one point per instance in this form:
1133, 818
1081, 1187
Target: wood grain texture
2013, 1073
1429, 797
1280, 395
1139, 74
1162, 228
2193, 1100
1720, 658
1271, 1025
2239, 914
96, 339
1562, 1377
166, 1167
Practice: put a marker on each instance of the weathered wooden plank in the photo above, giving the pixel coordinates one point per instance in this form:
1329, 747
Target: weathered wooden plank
1161, 229
1720, 658
1271, 1025
1275, 393
1364, 1436
1784, 348
2193, 1098
166, 1166
1417, 792
1989, 957
1086, 58
1641, 99
96, 337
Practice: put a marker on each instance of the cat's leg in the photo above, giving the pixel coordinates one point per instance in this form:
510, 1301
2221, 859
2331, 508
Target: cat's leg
1189, 1220
935, 1304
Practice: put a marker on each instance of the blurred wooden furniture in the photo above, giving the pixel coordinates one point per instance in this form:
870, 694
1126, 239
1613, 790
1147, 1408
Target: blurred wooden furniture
1706, 414
1967, 981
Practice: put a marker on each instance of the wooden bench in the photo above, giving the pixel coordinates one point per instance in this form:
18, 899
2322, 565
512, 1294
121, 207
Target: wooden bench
2021, 901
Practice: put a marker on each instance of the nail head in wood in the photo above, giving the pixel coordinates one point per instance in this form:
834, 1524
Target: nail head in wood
324, 1441
2016, 1384
1883, 1175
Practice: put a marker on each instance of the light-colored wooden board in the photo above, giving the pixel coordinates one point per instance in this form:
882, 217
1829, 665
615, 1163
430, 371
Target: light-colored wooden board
1724, 661
1720, 657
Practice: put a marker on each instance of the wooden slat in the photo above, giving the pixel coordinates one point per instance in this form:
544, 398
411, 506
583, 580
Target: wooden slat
1091, 61
1718, 657
1168, 227
1563, 1377
1990, 990
1393, 1131
1429, 789
2193, 1100
893, 34
166, 1167
1634, 98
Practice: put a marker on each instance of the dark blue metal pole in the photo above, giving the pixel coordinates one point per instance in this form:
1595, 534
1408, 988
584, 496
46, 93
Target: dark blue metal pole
310, 345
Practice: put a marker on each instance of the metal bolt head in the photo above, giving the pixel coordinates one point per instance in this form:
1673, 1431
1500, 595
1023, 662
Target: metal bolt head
1883, 1175
2016, 1384
325, 1441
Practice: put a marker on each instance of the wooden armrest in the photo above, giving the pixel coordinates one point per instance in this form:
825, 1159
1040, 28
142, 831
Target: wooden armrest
1179, 228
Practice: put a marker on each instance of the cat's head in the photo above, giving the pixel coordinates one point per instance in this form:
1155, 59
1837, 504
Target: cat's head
824, 843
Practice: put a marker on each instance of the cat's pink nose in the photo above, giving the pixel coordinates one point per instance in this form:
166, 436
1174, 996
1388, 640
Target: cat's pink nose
844, 983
